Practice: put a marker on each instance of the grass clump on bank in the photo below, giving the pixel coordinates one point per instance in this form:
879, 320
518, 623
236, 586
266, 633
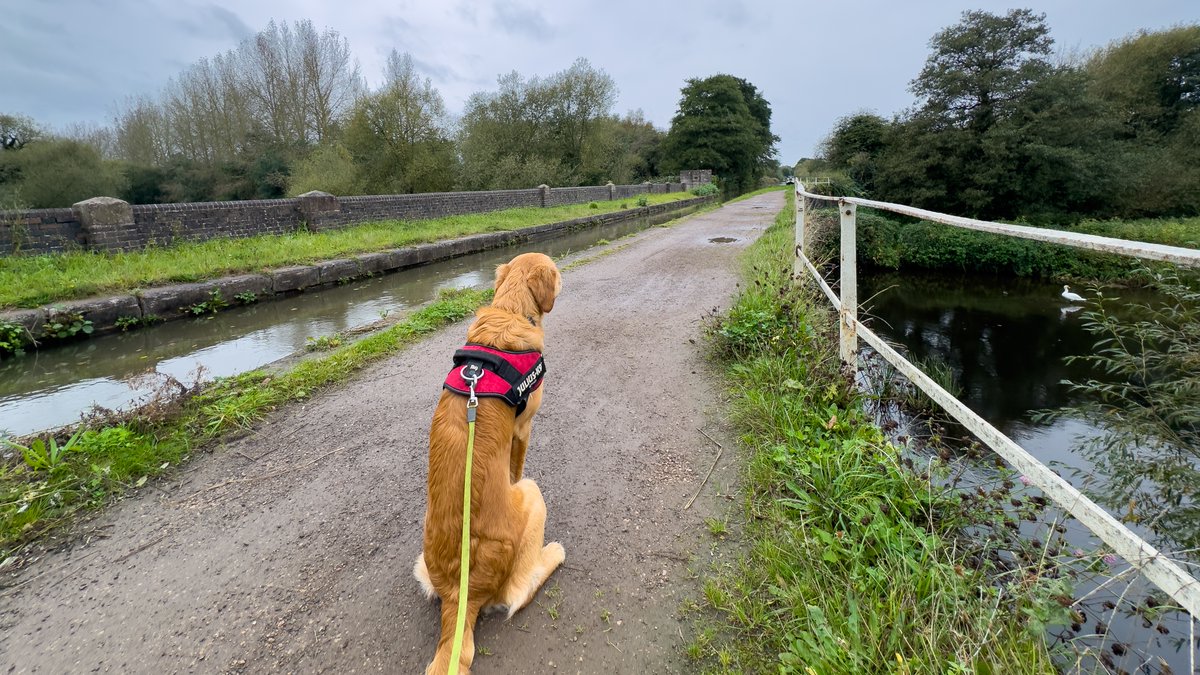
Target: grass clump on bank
44, 482
30, 281
855, 564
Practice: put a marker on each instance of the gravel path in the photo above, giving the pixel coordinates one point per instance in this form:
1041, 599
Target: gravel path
290, 549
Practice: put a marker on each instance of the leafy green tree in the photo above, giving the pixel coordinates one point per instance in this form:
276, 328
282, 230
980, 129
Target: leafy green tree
16, 131
1152, 80
997, 129
982, 65
624, 150
540, 130
723, 123
1151, 83
328, 168
398, 135
854, 146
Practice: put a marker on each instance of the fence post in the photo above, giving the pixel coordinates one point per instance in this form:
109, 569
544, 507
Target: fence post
849, 315
798, 271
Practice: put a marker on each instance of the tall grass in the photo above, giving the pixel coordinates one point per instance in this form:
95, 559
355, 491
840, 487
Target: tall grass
29, 281
855, 563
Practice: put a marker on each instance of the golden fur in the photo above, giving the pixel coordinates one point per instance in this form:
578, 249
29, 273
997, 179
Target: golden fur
508, 515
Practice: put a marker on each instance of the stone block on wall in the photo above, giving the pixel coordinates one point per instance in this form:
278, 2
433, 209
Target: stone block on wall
102, 312
164, 302
373, 263
318, 208
258, 284
31, 319
295, 278
105, 222
336, 270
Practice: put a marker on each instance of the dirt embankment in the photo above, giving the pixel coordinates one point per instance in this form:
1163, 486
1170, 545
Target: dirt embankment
290, 550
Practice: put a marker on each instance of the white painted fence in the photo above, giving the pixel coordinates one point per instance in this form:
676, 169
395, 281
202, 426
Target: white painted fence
1163, 572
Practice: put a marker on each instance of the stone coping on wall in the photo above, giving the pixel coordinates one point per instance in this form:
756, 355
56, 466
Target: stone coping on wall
176, 301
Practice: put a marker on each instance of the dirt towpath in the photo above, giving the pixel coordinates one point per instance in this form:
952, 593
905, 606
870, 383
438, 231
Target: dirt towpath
290, 549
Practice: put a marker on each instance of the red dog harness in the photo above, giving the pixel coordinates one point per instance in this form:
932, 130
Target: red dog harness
512, 376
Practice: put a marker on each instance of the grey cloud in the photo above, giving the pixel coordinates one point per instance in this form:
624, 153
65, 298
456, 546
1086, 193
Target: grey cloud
216, 22
517, 20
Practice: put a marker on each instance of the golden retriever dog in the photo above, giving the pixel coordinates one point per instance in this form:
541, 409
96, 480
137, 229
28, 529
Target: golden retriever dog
508, 561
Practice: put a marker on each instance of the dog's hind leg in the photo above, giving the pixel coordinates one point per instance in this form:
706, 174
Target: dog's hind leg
535, 562
441, 660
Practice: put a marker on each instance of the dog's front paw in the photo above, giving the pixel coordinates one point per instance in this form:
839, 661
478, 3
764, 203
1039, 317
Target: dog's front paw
421, 572
554, 554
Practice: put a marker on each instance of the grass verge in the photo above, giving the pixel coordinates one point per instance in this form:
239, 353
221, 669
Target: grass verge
760, 191
854, 562
45, 483
30, 281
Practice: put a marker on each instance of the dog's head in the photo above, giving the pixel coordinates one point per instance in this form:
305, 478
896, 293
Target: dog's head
528, 279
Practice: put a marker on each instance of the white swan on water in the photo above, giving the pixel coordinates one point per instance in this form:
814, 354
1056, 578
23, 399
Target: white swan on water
1073, 297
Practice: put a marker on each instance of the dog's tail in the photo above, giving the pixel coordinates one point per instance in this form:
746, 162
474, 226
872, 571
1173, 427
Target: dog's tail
441, 660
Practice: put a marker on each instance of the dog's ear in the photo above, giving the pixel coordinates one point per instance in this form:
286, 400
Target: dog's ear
501, 273
544, 282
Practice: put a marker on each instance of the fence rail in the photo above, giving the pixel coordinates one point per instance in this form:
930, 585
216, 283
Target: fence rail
1163, 572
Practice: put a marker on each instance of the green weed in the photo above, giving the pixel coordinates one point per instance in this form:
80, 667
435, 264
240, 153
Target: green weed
62, 324
13, 339
214, 304
323, 343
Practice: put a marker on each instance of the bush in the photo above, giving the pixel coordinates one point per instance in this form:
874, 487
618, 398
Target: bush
705, 190
57, 173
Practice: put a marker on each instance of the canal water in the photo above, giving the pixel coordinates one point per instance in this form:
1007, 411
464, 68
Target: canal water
1006, 342
49, 389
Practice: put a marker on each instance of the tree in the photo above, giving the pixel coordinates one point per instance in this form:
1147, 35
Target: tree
722, 124
854, 146
982, 65
963, 149
537, 130
398, 135
16, 131
1152, 80
1151, 84
624, 150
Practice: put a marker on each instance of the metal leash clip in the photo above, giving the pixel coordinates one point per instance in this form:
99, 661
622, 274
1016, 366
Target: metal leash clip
471, 373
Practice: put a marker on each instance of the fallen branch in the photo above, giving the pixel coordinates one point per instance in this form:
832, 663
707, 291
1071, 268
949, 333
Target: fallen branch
710, 470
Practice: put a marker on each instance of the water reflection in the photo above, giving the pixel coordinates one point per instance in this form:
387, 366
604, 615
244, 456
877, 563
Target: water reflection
1006, 343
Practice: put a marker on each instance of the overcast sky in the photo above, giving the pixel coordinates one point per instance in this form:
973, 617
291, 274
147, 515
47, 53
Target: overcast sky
67, 61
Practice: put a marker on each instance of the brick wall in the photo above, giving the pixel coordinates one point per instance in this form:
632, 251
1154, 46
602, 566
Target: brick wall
427, 205
578, 195
40, 231
166, 224
58, 230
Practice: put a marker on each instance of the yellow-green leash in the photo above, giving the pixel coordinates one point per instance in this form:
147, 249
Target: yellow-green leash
464, 571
